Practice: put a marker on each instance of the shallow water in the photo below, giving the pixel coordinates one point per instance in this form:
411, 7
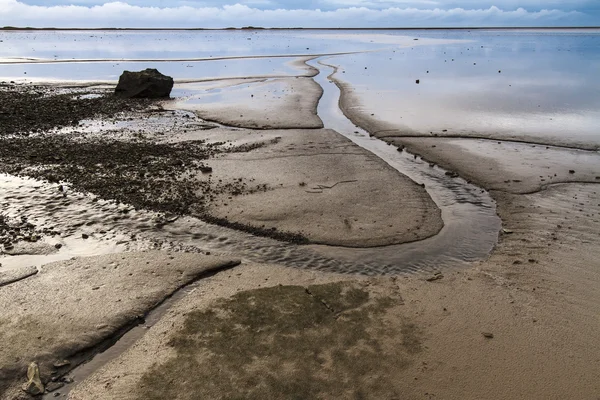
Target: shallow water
471, 225
109, 71
528, 85
164, 45
535, 85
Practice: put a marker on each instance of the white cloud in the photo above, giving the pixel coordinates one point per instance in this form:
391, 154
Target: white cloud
120, 14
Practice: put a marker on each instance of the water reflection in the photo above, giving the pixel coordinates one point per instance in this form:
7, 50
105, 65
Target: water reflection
508, 84
187, 70
65, 45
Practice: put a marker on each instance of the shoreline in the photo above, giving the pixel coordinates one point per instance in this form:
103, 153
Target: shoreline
302, 29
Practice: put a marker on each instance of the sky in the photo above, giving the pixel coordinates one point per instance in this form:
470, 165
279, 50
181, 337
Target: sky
296, 13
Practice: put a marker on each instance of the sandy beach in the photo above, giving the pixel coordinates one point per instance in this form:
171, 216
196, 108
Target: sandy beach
237, 241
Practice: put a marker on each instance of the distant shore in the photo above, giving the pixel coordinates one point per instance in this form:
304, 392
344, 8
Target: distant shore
251, 28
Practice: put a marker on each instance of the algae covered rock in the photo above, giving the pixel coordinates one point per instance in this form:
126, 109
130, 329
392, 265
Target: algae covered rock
148, 83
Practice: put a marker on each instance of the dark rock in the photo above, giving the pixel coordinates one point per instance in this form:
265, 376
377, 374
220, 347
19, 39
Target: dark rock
418, 81
571, 171
85, 236
148, 83
436, 277
487, 335
52, 386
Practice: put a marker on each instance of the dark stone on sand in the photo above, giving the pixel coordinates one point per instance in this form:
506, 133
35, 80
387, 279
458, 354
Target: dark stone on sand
571, 171
435, 277
418, 81
148, 83
53, 386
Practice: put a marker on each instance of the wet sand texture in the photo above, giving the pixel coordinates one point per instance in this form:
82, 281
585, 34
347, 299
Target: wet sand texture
269, 104
328, 190
71, 306
521, 325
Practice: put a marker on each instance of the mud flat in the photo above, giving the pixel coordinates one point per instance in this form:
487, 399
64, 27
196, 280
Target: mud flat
519, 323
525, 316
68, 308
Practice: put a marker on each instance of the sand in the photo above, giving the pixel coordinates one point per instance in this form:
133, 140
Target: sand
69, 307
327, 189
520, 325
267, 104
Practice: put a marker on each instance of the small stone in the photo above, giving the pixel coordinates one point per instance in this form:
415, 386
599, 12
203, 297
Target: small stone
52, 386
85, 236
507, 231
488, 335
34, 385
418, 81
58, 246
61, 363
436, 277
571, 171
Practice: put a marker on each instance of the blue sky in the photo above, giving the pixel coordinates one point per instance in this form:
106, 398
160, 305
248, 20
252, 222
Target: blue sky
295, 13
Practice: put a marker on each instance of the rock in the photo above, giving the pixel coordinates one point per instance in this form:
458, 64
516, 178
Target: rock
52, 386
436, 277
61, 363
418, 81
34, 385
571, 171
488, 335
148, 83
452, 174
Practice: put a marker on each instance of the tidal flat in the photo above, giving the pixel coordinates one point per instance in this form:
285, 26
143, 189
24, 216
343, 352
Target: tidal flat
319, 213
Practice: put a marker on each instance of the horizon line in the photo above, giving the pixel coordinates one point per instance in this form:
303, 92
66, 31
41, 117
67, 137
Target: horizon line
14, 28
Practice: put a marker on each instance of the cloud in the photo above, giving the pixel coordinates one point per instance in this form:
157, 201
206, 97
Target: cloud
120, 14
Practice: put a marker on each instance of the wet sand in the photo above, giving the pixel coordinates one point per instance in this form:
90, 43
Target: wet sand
520, 323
